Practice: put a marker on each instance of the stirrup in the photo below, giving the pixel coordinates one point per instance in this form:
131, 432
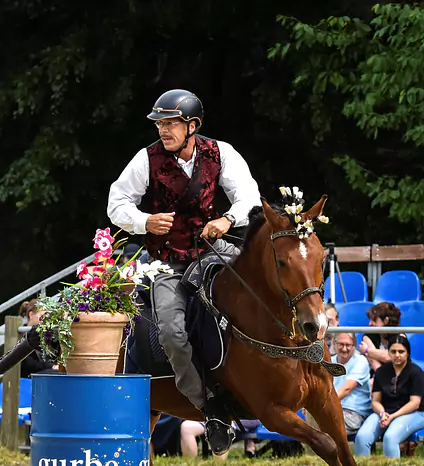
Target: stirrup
219, 436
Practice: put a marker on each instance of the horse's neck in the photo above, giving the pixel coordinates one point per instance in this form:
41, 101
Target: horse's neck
246, 311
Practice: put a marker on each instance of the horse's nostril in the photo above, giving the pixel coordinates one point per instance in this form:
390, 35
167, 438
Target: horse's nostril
311, 330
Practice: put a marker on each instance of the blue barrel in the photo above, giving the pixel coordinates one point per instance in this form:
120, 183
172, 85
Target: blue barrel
80, 420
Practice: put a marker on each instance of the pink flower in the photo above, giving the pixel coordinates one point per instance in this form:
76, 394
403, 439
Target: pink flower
102, 256
97, 283
87, 282
99, 269
103, 240
110, 263
104, 244
82, 270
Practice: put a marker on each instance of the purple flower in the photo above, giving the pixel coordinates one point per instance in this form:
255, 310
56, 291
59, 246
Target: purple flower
48, 337
138, 318
85, 292
98, 297
107, 299
83, 306
127, 329
69, 301
77, 319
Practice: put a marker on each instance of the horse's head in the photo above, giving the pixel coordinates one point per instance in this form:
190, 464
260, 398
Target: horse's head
294, 272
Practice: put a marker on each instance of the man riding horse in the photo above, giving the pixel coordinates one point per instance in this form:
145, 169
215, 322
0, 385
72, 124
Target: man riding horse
175, 181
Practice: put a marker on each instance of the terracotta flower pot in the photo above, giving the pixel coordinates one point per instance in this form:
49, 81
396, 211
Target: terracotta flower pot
97, 339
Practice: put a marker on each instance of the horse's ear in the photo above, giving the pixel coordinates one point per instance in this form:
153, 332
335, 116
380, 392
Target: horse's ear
317, 209
270, 213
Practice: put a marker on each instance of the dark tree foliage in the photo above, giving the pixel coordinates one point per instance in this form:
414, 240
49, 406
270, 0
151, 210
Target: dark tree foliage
77, 79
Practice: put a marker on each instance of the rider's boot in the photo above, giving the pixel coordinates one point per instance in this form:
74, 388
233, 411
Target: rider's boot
219, 433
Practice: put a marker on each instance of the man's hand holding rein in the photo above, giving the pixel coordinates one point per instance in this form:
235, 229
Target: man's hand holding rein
216, 228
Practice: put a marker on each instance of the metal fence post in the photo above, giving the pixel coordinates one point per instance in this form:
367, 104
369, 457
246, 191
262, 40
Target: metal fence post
11, 380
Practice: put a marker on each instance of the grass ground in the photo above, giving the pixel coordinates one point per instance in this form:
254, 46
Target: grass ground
8, 458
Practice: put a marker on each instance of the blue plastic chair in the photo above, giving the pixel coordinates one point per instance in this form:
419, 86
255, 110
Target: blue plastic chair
398, 285
262, 433
412, 313
355, 286
25, 400
354, 313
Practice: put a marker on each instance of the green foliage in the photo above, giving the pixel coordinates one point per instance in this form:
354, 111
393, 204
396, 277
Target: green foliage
371, 73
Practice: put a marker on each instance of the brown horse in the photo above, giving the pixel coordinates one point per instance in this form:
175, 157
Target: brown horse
280, 289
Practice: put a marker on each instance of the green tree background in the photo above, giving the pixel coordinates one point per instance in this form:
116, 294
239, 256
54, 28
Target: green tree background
332, 105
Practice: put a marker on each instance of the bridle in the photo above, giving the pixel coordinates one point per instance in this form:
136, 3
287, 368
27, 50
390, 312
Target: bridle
290, 302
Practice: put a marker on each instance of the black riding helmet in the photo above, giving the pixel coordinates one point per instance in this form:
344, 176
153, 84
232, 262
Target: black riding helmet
179, 103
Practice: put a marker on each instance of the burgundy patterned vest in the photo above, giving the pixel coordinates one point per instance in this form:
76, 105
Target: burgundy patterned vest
192, 199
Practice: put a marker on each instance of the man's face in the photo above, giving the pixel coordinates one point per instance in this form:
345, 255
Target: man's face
333, 320
344, 347
173, 132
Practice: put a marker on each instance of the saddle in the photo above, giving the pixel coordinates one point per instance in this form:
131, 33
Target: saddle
207, 333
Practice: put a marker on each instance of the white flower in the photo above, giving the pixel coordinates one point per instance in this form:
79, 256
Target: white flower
290, 209
297, 218
323, 219
285, 191
299, 208
150, 270
128, 272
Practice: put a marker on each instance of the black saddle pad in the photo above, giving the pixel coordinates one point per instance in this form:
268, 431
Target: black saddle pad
145, 354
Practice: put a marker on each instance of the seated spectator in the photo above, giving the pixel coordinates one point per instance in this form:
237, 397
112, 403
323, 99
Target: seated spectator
353, 388
397, 402
374, 346
130, 250
166, 431
34, 362
165, 439
333, 321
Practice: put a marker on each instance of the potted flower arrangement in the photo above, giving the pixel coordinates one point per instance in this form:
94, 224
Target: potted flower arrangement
83, 326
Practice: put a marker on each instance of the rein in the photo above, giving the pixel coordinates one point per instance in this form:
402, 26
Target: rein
248, 288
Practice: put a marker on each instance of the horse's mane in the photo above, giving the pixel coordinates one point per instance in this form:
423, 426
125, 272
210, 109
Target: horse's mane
257, 219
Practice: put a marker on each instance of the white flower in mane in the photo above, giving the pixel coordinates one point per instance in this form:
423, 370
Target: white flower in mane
323, 219
285, 191
295, 195
297, 192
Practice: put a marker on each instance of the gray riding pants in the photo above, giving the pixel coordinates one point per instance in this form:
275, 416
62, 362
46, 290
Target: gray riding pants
169, 300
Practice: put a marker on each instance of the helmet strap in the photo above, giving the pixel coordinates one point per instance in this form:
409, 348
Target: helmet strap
185, 144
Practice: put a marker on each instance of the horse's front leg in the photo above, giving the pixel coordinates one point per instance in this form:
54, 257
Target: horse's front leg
284, 421
329, 416
154, 418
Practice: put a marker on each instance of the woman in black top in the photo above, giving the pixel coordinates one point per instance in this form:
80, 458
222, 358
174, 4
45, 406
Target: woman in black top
397, 402
373, 345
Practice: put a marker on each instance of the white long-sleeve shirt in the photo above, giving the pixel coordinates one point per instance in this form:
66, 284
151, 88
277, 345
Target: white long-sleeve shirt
128, 190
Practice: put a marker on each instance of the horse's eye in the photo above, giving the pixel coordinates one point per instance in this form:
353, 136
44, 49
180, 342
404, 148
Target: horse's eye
281, 263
